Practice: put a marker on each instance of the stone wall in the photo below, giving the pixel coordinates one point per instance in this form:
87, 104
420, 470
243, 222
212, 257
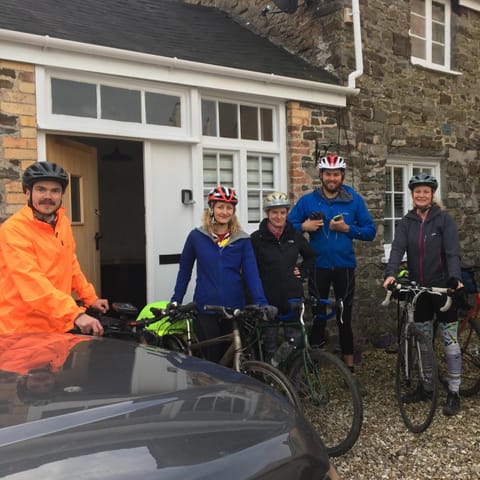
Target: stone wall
18, 134
401, 110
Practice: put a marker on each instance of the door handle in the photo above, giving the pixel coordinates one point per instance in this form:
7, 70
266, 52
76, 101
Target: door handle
98, 237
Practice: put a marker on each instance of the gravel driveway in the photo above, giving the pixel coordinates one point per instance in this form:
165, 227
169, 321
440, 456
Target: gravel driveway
448, 449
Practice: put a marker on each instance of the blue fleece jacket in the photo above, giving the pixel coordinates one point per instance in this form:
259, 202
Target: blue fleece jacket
222, 273
335, 249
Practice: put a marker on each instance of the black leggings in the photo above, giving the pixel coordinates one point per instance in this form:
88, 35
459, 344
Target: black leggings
212, 326
343, 281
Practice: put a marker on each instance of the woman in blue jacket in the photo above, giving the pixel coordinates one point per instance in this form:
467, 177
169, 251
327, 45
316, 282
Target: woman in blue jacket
225, 265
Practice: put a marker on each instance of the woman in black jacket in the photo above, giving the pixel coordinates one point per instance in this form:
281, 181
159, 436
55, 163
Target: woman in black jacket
429, 237
284, 259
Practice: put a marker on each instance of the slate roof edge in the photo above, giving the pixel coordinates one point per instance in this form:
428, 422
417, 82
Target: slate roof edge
45, 42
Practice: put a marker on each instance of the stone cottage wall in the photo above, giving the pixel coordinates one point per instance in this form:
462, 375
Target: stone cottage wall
401, 110
18, 134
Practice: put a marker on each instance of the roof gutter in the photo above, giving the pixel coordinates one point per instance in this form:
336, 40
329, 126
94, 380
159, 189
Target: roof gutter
45, 42
357, 37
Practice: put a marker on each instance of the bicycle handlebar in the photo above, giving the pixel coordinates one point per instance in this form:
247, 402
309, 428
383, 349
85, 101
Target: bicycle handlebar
401, 287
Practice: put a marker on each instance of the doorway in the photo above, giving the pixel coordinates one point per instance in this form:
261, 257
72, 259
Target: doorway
120, 239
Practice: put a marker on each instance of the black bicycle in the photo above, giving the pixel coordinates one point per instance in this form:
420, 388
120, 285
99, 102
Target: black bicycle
416, 379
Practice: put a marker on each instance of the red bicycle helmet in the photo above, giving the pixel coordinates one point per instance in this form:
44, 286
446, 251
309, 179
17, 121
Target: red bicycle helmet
332, 162
222, 194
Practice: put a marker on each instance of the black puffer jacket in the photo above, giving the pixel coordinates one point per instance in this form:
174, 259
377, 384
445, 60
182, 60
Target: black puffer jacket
276, 260
432, 247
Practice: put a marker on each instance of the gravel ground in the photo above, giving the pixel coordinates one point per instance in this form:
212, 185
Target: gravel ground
448, 449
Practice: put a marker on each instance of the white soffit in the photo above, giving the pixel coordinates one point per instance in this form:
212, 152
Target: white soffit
472, 4
52, 52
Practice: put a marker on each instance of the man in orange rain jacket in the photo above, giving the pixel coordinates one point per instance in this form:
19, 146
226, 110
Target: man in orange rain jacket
39, 269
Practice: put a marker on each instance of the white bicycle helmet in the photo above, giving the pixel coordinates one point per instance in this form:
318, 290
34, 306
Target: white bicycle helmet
332, 162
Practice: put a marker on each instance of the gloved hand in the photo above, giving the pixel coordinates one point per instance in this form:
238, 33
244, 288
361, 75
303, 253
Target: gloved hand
270, 312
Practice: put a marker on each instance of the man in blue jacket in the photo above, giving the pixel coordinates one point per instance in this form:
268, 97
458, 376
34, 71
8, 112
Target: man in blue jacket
333, 216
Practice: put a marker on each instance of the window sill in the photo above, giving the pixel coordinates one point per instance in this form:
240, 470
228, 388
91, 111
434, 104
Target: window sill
420, 62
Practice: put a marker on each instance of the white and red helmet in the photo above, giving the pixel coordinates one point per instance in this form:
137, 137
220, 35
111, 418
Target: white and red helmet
222, 194
332, 162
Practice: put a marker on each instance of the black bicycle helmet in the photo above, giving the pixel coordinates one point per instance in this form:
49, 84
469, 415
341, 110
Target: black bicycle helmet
423, 178
44, 171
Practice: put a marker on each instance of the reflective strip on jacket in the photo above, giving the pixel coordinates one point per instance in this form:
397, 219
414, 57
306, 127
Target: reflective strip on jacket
38, 273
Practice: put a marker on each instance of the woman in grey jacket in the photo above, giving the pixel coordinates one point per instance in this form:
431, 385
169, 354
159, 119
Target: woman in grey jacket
429, 237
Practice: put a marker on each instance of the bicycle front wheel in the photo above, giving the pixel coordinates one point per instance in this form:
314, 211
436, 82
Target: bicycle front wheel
416, 382
272, 377
330, 397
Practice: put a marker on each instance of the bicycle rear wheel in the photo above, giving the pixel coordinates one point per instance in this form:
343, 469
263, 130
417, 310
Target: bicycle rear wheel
272, 377
469, 340
330, 397
416, 382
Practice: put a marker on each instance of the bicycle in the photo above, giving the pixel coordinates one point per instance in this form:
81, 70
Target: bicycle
468, 339
329, 394
182, 339
416, 371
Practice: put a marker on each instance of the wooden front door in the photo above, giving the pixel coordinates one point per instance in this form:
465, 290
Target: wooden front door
81, 200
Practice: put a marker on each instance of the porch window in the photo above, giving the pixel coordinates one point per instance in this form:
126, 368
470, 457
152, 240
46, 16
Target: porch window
430, 32
232, 120
108, 102
398, 199
221, 168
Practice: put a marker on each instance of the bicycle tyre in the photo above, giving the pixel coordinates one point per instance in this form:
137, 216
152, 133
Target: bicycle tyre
272, 377
469, 342
331, 398
417, 405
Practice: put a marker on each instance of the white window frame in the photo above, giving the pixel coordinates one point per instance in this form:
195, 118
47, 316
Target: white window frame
241, 149
427, 62
88, 125
409, 165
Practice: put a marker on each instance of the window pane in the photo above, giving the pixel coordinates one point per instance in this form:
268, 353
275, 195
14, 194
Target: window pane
388, 206
438, 33
418, 48
388, 179
253, 171
249, 122
74, 98
209, 118
75, 198
418, 6
398, 179
417, 25
398, 205
388, 231
162, 109
266, 119
217, 170
120, 104
228, 119
254, 207
438, 12
438, 54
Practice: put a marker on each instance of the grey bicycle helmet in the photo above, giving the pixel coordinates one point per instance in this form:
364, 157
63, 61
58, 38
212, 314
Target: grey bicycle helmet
275, 200
44, 171
423, 178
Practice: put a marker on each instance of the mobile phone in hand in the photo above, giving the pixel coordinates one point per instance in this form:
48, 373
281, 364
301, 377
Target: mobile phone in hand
338, 217
316, 216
